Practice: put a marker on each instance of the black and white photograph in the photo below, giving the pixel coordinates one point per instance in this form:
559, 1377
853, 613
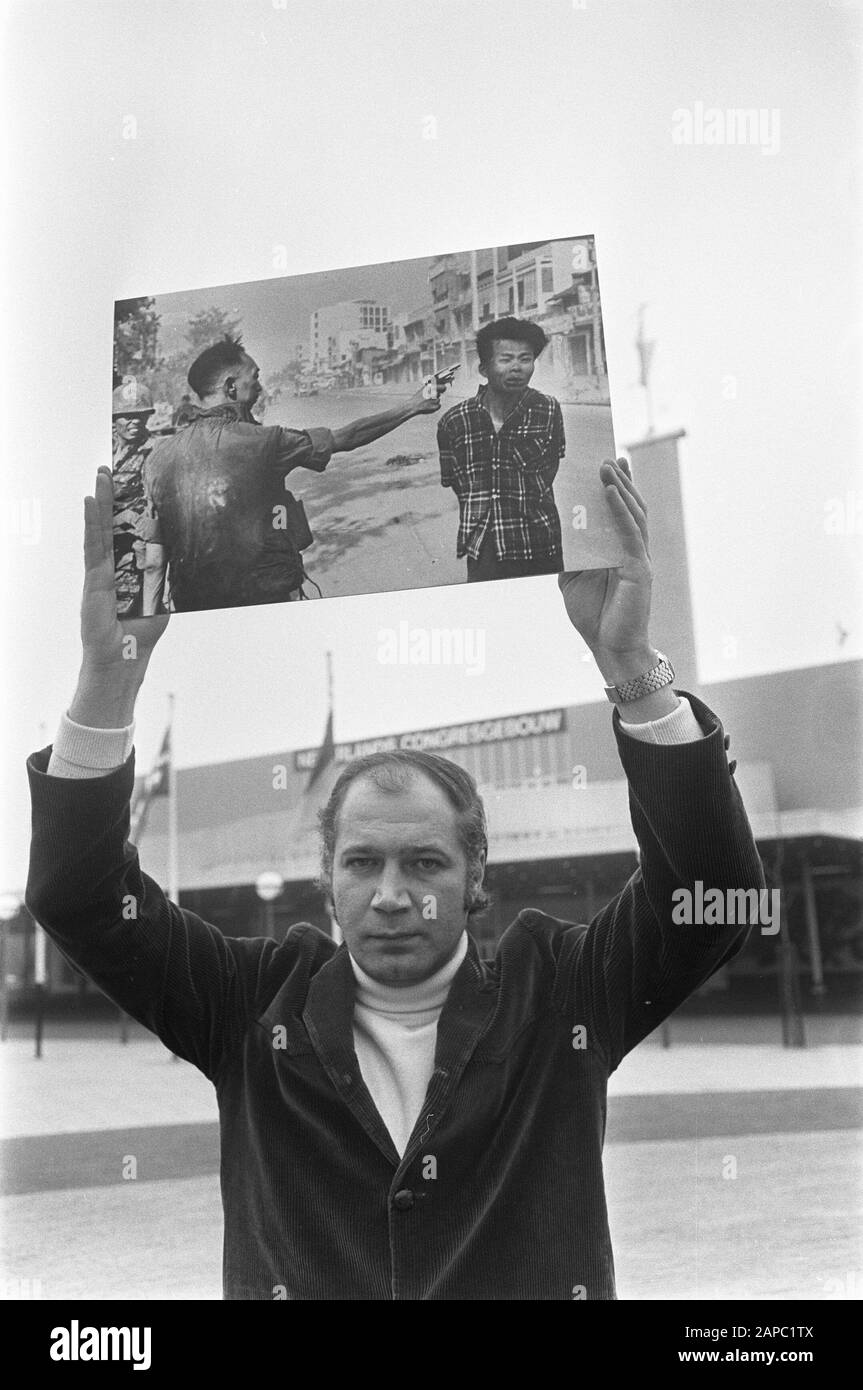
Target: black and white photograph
431, 864
467, 391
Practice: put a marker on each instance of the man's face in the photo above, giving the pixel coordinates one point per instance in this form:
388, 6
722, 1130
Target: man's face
246, 382
399, 879
130, 428
510, 366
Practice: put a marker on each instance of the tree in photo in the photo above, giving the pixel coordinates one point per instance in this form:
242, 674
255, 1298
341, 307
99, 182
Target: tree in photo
136, 337
208, 326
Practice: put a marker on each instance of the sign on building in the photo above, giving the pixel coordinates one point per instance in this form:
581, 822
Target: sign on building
514, 726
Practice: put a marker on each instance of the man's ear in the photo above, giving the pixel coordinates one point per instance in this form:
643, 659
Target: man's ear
476, 879
230, 387
324, 884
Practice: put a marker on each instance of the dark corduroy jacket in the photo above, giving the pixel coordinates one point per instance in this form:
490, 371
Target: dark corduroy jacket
317, 1203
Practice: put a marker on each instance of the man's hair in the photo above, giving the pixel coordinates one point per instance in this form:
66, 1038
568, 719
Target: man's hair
394, 772
515, 330
209, 365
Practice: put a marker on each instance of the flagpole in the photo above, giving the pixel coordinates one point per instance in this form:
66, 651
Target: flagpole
335, 929
173, 843
173, 854
645, 353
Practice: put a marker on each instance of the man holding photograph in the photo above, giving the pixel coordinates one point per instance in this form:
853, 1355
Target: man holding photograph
217, 489
500, 451
400, 1119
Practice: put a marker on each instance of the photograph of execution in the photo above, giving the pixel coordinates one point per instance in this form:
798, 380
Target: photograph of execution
233, 408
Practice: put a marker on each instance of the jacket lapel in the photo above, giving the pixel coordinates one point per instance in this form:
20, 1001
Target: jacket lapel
328, 1017
464, 1019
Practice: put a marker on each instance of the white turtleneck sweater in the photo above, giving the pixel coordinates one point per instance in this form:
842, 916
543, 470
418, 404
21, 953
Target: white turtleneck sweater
395, 1026
395, 1030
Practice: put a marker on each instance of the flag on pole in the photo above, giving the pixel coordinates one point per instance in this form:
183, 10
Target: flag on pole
327, 750
156, 783
326, 753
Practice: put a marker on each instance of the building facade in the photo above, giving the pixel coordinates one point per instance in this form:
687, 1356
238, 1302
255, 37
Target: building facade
338, 333
552, 283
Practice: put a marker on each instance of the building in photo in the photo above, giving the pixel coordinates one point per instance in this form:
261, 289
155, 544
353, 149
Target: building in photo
338, 331
552, 283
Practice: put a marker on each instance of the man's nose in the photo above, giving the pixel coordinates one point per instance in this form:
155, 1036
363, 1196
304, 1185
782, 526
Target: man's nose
391, 894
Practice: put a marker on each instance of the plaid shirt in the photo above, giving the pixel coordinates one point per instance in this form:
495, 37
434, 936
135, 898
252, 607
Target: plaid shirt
503, 479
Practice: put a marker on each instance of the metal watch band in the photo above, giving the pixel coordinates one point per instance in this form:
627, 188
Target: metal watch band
657, 678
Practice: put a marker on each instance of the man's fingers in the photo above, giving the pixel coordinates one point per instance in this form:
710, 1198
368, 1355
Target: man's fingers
633, 527
564, 578
105, 502
617, 486
99, 522
92, 534
624, 473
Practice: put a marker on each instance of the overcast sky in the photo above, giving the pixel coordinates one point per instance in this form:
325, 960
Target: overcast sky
154, 147
275, 313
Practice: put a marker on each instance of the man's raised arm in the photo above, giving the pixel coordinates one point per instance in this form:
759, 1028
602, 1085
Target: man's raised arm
643, 954
166, 967
372, 427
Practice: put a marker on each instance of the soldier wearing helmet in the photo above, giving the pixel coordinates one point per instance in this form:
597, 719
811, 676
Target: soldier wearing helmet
137, 573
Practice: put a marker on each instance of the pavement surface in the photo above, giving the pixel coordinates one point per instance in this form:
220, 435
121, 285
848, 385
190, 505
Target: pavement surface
732, 1171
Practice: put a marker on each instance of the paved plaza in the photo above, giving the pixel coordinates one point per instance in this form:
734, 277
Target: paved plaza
732, 1170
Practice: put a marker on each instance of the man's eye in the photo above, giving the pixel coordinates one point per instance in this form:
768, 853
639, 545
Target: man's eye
427, 863
357, 861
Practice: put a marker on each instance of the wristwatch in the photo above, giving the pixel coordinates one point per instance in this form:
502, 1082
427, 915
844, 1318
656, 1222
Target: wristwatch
657, 678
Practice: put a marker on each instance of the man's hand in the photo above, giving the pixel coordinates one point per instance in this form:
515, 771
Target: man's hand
427, 399
611, 607
116, 653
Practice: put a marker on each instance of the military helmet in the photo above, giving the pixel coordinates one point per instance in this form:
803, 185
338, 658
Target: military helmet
131, 398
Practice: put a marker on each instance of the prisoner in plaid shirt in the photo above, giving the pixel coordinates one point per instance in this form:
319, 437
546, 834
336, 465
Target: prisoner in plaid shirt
500, 451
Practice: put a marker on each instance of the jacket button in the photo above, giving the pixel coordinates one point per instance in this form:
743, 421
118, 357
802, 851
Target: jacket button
403, 1200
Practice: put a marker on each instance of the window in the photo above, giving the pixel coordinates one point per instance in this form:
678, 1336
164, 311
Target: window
547, 279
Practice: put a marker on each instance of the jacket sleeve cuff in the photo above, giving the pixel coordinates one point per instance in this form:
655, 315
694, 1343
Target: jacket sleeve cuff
80, 751
664, 766
680, 726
